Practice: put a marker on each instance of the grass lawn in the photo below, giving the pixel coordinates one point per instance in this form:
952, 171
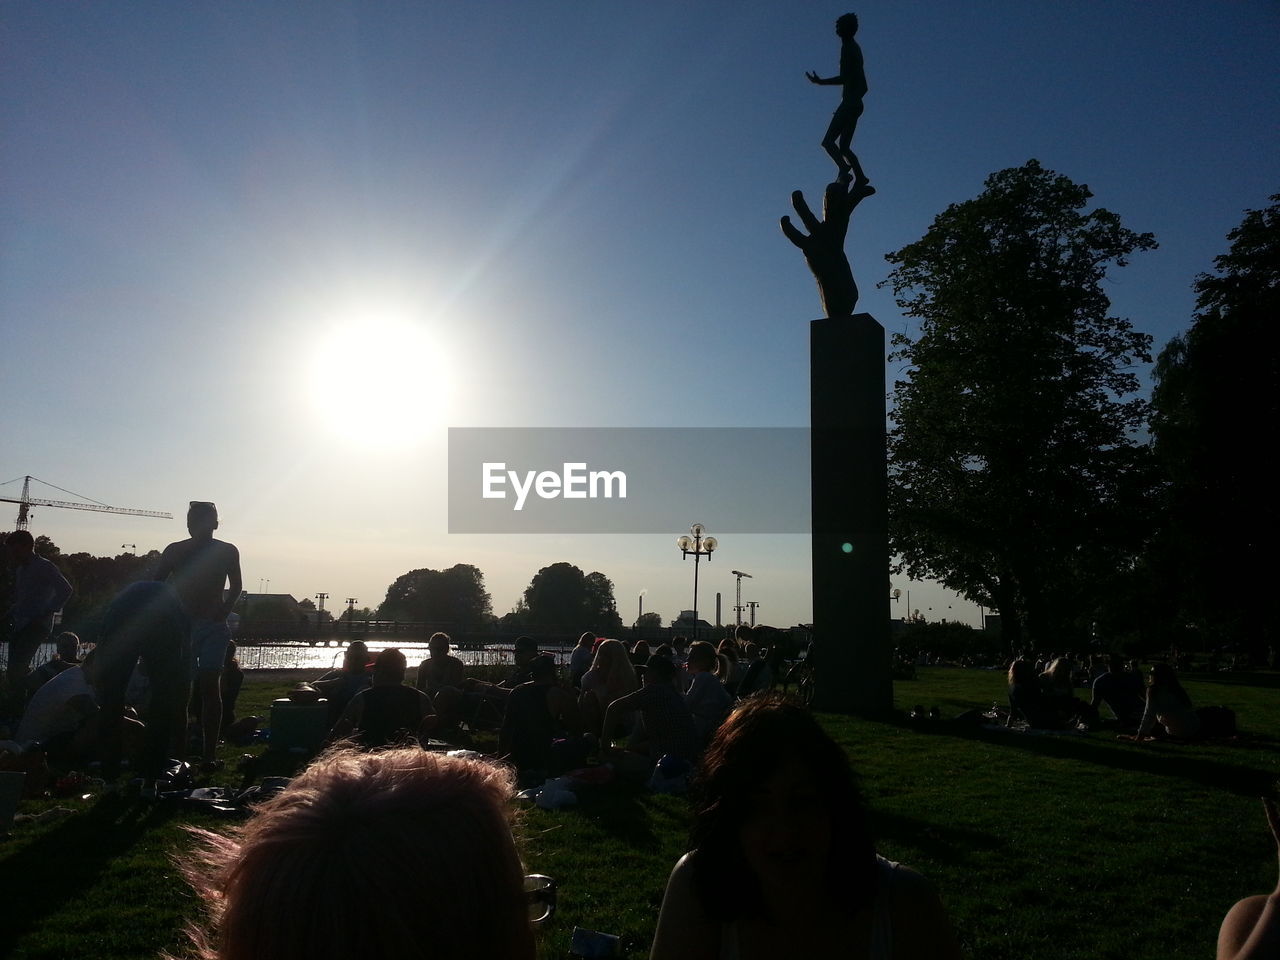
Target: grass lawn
1041, 846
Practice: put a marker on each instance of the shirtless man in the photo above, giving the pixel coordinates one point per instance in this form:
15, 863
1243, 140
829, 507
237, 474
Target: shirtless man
199, 568
853, 79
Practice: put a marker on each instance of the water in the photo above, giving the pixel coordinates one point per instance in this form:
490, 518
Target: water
304, 656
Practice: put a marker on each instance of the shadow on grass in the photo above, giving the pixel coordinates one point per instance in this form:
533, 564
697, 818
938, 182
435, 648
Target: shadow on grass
940, 843
1265, 681
617, 811
81, 846
1156, 759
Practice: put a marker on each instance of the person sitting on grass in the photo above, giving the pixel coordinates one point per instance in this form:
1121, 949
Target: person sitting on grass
1168, 711
707, 699
62, 719
388, 713
1027, 702
1058, 693
732, 669
441, 669
542, 728
782, 862
1251, 928
339, 686
397, 855
1121, 691
667, 725
67, 655
580, 659
522, 652
611, 676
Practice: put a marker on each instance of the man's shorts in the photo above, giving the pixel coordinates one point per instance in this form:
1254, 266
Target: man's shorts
209, 639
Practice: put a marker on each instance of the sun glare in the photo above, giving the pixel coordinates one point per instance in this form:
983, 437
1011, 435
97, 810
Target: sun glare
379, 382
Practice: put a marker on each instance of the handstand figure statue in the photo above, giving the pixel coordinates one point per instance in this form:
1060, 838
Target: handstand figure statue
853, 79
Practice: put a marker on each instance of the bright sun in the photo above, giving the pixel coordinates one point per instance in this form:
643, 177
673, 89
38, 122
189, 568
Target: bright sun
379, 382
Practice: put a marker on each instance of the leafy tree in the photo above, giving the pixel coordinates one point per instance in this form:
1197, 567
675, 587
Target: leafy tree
456, 595
602, 612
649, 621
562, 596
1214, 385
1014, 475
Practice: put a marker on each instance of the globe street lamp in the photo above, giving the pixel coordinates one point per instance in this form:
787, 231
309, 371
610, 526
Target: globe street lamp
700, 547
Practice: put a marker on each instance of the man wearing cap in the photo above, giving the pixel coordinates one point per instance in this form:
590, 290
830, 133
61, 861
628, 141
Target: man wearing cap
39, 591
199, 568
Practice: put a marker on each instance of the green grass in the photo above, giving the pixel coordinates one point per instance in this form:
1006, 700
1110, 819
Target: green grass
1041, 846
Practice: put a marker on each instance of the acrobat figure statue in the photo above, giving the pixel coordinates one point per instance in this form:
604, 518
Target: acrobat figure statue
853, 79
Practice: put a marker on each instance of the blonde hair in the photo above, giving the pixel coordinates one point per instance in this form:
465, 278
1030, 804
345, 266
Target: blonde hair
399, 854
614, 663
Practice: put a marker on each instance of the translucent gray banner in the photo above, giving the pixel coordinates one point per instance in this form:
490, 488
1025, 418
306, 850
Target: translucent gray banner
628, 479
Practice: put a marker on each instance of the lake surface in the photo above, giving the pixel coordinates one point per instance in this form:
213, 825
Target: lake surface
328, 655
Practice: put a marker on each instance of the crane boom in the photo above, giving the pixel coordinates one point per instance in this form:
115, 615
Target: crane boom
26, 502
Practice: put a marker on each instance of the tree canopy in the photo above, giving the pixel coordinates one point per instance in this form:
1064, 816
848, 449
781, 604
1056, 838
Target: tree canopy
1214, 385
1015, 478
456, 595
562, 596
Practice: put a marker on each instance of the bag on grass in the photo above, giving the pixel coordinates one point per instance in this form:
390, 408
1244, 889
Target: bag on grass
1217, 721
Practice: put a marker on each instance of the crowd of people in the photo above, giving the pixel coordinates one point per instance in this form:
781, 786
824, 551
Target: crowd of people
391, 845
1043, 696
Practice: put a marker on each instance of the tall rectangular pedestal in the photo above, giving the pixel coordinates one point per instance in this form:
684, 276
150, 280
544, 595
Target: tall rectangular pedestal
850, 516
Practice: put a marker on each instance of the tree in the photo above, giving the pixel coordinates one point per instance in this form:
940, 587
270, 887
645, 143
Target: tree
602, 608
456, 595
1214, 385
649, 621
562, 596
1015, 478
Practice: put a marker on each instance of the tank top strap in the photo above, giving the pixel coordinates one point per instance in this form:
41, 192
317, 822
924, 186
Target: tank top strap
882, 915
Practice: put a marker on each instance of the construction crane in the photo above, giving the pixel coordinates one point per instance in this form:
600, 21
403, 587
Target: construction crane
26, 502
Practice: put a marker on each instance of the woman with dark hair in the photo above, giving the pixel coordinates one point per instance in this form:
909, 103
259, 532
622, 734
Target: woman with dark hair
1027, 700
1168, 704
402, 855
782, 863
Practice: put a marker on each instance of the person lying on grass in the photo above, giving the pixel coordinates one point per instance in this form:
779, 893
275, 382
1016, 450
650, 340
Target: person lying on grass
397, 855
782, 863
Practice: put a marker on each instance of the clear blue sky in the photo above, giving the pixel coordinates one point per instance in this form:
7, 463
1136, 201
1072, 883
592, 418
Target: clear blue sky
266, 253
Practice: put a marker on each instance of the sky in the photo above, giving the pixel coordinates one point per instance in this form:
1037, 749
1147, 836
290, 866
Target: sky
267, 254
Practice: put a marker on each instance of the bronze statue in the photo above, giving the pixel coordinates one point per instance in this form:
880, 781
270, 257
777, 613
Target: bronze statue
823, 247
853, 79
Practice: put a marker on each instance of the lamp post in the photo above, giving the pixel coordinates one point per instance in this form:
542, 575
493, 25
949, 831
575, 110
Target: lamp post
700, 546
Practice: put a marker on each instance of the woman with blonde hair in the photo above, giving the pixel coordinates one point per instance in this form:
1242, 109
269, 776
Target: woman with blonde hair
611, 676
400, 854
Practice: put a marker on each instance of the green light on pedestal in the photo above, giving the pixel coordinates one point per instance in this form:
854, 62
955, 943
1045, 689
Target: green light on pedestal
847, 547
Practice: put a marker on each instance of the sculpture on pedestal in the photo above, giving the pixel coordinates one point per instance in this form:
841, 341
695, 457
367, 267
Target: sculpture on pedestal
850, 537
